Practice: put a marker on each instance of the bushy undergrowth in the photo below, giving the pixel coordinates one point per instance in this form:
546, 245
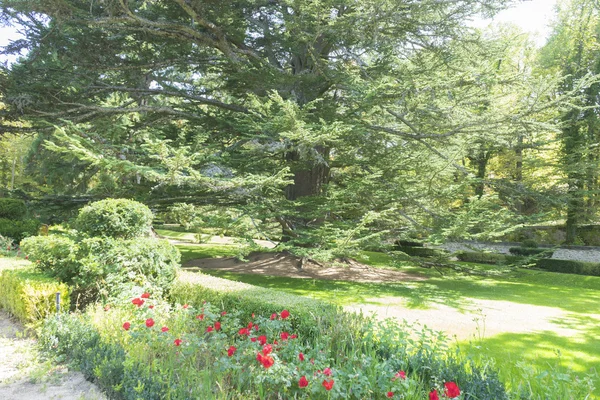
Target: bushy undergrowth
116, 218
569, 266
146, 349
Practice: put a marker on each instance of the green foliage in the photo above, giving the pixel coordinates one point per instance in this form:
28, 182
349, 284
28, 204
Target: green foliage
409, 243
529, 243
18, 230
30, 296
480, 257
531, 251
415, 251
187, 215
105, 266
12, 209
569, 266
53, 254
116, 218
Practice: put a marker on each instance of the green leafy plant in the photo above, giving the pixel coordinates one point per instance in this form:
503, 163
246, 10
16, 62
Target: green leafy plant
13, 209
569, 266
116, 218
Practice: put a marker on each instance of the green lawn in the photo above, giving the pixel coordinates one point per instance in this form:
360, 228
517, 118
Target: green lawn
577, 296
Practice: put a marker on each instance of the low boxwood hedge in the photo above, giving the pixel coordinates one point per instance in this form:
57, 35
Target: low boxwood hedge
486, 258
29, 295
426, 252
569, 266
531, 251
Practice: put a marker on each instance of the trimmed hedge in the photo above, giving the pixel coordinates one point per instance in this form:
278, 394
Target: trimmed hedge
30, 296
409, 243
18, 230
309, 316
531, 251
486, 258
13, 209
116, 218
569, 266
421, 251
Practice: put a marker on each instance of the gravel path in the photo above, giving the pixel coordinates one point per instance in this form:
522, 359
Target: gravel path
23, 376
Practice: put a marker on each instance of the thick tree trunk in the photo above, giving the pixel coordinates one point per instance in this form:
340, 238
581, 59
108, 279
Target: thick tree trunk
309, 176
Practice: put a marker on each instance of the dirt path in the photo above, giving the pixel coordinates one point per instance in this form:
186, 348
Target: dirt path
23, 376
273, 264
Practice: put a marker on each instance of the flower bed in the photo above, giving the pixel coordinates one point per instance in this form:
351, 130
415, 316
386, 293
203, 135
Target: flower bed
147, 349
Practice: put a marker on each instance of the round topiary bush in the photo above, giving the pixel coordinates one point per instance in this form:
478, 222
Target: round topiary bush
116, 218
13, 209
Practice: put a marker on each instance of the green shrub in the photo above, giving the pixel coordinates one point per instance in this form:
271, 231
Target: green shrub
30, 296
116, 218
569, 266
480, 257
310, 316
12, 209
55, 255
530, 243
421, 251
529, 251
17, 230
409, 243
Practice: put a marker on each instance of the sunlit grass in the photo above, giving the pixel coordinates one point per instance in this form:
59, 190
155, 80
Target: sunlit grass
577, 295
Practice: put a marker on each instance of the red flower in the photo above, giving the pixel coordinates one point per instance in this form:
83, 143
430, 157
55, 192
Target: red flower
301, 356
224, 313
137, 301
164, 329
294, 336
267, 349
399, 374
273, 316
256, 328
149, 322
27, 257
250, 325
285, 336
252, 315
303, 382
126, 326
390, 394
146, 296
327, 371
107, 307
178, 342
253, 339
186, 305
265, 360
285, 314
328, 384
209, 329
262, 340
244, 331
433, 395
231, 351
151, 307
217, 326
200, 317
451, 390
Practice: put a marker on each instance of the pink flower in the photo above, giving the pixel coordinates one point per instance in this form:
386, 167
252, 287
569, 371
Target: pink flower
399, 374
327, 371
273, 316
126, 326
267, 349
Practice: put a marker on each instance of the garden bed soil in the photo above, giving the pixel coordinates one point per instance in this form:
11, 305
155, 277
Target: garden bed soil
281, 264
24, 377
